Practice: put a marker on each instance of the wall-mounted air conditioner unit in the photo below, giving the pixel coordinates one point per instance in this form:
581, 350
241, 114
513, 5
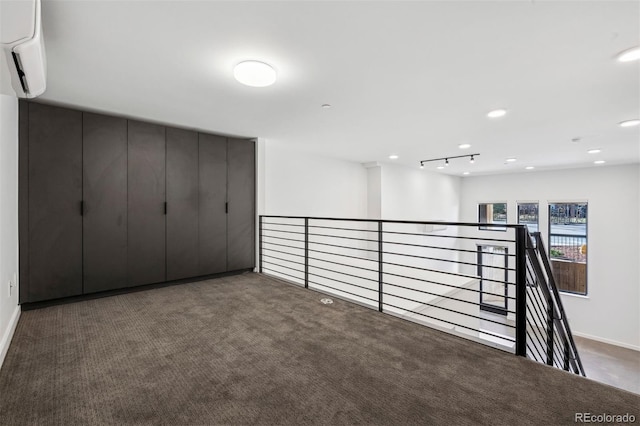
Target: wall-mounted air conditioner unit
21, 37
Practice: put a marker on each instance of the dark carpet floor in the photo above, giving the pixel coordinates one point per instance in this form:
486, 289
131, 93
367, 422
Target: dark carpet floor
250, 349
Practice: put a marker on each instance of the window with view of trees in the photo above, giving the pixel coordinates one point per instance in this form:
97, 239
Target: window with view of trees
528, 215
568, 245
492, 213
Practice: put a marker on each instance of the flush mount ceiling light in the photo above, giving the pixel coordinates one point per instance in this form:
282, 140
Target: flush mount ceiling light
629, 55
511, 160
529, 168
629, 123
393, 157
325, 106
440, 167
594, 151
464, 146
599, 162
255, 74
465, 173
496, 113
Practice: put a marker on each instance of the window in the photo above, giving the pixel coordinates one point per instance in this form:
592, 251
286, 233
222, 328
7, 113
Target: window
492, 213
528, 215
568, 246
493, 272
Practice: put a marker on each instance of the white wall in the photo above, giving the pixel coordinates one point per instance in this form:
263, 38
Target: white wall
414, 194
9, 309
610, 311
302, 184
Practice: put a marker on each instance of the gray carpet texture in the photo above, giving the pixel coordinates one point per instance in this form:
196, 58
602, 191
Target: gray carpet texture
250, 349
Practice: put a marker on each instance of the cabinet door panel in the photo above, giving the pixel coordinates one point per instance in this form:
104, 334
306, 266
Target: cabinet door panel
212, 197
241, 197
55, 193
182, 204
104, 168
146, 198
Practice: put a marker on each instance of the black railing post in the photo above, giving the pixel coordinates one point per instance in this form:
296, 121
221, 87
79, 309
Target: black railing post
521, 291
380, 266
306, 252
549, 331
260, 244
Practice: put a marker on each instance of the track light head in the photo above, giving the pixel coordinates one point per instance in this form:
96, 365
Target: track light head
446, 161
472, 160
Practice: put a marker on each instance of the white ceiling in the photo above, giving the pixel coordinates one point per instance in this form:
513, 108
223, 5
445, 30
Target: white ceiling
411, 78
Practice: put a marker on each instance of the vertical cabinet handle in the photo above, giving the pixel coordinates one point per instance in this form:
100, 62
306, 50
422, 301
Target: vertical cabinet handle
226, 207
165, 207
82, 208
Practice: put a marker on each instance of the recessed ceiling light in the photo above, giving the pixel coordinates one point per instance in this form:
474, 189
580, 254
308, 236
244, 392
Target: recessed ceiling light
325, 106
440, 167
599, 162
464, 146
529, 168
511, 160
255, 74
496, 113
393, 157
594, 151
629, 55
629, 123
465, 173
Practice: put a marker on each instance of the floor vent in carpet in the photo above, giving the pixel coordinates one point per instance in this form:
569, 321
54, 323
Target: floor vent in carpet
326, 301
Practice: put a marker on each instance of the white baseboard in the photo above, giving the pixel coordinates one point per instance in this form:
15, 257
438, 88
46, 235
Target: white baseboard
8, 334
608, 341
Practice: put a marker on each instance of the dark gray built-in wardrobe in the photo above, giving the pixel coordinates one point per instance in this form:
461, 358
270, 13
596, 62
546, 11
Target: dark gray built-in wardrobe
108, 203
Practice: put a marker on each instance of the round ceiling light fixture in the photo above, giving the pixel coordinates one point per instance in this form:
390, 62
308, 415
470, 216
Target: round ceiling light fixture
255, 74
465, 173
629, 123
629, 55
496, 113
440, 167
393, 157
599, 162
594, 151
529, 168
464, 146
511, 160
325, 106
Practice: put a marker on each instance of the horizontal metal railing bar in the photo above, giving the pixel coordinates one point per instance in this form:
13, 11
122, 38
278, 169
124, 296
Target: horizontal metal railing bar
345, 255
283, 273
286, 239
343, 291
343, 229
448, 322
344, 247
536, 331
284, 260
447, 309
336, 219
283, 231
375, 290
283, 252
288, 268
448, 285
344, 273
343, 264
448, 273
501, 240
443, 248
452, 249
435, 294
438, 259
576, 236
539, 359
340, 236
284, 245
284, 223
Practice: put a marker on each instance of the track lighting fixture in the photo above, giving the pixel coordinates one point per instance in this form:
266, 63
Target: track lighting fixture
446, 160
